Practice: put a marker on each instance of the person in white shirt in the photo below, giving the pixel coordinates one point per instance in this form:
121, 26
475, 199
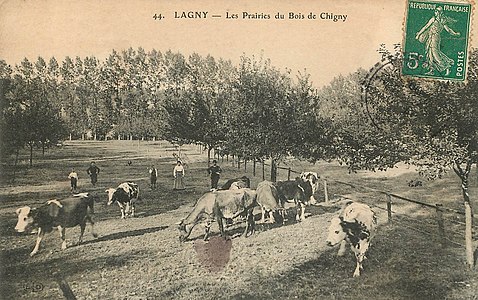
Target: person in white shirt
178, 174
73, 176
153, 176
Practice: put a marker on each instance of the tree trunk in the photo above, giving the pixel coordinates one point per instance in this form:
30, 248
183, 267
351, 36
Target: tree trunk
464, 175
70, 136
209, 156
43, 148
273, 170
17, 152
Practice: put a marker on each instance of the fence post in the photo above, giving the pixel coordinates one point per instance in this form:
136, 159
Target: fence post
326, 193
254, 167
389, 208
441, 225
469, 235
263, 171
288, 174
238, 162
245, 165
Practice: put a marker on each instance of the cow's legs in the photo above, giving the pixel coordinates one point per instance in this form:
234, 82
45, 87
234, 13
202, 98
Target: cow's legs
300, 211
82, 231
93, 231
62, 230
359, 257
342, 248
263, 213
249, 224
221, 226
132, 209
360, 252
207, 228
271, 217
37, 244
122, 210
312, 200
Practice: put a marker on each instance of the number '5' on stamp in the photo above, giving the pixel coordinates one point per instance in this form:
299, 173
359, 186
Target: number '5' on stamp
436, 39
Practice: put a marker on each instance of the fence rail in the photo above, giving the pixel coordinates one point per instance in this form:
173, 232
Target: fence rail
442, 232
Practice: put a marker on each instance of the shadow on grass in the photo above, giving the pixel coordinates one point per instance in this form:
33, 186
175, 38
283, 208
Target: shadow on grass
39, 271
400, 265
124, 234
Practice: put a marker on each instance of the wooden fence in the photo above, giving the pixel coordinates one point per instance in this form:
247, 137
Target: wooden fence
442, 232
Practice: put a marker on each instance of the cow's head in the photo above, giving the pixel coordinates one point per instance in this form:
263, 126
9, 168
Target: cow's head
110, 192
184, 230
25, 218
336, 232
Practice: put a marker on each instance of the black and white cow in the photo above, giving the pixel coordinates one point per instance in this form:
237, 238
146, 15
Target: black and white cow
313, 179
126, 194
294, 191
355, 225
65, 213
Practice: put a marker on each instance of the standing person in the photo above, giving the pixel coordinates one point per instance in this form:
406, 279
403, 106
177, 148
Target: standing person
178, 174
73, 176
93, 171
215, 172
153, 176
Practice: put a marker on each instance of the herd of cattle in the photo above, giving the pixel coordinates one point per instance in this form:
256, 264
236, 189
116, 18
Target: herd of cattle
355, 224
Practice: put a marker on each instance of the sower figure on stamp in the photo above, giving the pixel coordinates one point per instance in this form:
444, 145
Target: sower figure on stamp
153, 176
215, 172
429, 35
73, 176
93, 172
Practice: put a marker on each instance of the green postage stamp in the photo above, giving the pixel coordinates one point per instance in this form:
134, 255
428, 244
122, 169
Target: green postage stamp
436, 39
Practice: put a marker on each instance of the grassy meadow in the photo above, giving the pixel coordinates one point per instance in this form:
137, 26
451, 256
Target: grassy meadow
142, 258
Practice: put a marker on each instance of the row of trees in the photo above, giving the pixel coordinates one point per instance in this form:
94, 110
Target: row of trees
248, 110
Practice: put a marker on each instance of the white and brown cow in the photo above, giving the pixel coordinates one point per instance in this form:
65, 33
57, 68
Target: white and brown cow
313, 179
126, 194
355, 225
220, 205
65, 213
268, 199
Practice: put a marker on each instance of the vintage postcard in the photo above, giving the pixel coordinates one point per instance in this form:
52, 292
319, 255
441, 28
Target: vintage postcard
218, 149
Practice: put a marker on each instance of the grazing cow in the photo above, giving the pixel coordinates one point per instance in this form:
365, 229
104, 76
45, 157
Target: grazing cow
313, 179
126, 194
241, 182
69, 212
298, 192
268, 199
220, 205
356, 225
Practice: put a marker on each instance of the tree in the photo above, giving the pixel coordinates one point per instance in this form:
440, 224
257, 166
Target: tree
263, 114
430, 124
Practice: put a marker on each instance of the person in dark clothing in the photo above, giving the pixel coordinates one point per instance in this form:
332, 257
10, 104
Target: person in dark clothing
215, 172
153, 176
93, 172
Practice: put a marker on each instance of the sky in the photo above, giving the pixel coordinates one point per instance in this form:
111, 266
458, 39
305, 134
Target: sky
324, 48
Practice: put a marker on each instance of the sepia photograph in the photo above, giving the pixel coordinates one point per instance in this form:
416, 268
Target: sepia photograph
215, 149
